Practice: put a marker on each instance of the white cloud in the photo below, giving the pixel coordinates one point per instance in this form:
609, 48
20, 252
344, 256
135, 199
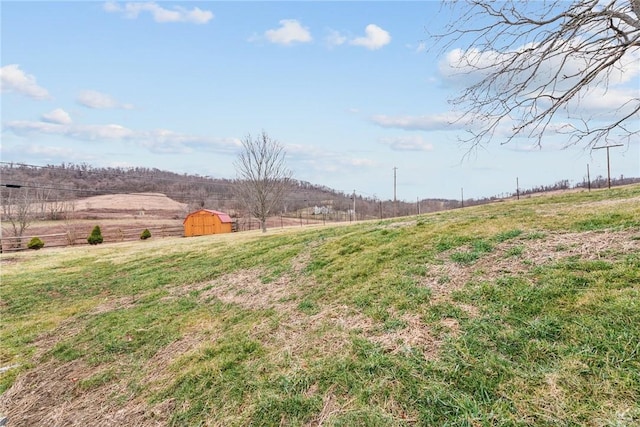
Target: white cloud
82, 132
13, 79
321, 160
167, 141
606, 101
46, 153
434, 122
421, 47
359, 162
465, 68
407, 143
614, 94
303, 152
336, 163
160, 14
98, 100
603, 103
290, 31
49, 152
335, 38
26, 126
58, 116
157, 140
375, 38
112, 7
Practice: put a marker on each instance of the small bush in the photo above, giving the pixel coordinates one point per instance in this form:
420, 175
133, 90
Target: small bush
95, 238
145, 234
35, 243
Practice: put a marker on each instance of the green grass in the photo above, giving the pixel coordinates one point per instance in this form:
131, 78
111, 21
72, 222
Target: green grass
380, 323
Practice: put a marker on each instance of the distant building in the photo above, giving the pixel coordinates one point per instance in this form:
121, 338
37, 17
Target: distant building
321, 210
206, 221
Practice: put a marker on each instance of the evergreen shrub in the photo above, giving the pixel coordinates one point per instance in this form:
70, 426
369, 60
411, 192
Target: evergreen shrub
35, 243
145, 234
95, 238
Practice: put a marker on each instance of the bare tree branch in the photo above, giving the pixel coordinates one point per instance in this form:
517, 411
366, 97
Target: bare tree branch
529, 69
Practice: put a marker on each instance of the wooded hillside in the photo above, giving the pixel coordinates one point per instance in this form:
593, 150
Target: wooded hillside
68, 182
72, 182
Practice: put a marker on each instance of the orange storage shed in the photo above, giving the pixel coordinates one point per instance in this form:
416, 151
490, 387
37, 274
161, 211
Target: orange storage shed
206, 221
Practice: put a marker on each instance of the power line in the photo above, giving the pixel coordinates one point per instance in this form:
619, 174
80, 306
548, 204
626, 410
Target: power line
78, 190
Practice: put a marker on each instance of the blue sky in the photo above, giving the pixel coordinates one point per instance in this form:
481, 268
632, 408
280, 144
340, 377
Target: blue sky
348, 88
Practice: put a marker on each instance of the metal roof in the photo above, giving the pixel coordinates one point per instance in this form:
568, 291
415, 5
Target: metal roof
223, 216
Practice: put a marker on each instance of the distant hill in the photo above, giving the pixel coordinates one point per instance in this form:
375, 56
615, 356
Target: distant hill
72, 181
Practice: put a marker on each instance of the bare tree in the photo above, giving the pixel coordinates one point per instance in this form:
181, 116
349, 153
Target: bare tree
545, 67
68, 212
17, 210
263, 177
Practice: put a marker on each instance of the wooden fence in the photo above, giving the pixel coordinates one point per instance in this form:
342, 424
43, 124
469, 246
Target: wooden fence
78, 236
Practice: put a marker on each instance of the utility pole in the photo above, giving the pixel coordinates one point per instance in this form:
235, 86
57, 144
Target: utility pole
395, 204
608, 165
517, 189
307, 200
355, 218
462, 197
588, 178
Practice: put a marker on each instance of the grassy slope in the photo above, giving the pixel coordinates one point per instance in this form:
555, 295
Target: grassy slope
520, 313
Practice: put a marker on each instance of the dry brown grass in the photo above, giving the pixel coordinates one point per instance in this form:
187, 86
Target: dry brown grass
130, 202
449, 276
51, 394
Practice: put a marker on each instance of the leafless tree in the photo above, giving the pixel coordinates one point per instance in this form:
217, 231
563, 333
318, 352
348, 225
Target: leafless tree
68, 213
537, 68
17, 210
263, 177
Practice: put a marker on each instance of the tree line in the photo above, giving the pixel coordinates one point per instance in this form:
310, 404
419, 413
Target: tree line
30, 192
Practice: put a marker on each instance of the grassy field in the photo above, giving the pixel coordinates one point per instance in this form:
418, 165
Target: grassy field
523, 313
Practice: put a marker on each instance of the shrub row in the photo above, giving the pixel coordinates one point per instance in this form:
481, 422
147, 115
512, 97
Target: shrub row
95, 238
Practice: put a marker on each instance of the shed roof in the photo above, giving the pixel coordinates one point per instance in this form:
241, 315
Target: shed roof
223, 216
